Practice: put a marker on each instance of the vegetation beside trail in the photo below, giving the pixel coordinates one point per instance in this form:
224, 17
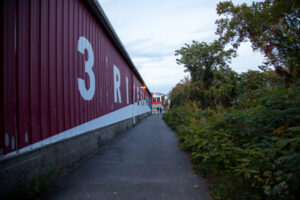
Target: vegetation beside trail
246, 153
243, 130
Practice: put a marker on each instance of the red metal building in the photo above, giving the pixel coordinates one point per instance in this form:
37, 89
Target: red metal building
63, 72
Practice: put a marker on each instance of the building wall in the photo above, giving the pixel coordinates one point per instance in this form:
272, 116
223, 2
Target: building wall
67, 87
157, 105
61, 75
50, 160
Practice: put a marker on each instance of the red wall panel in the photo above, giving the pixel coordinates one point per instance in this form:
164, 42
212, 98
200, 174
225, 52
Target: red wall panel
2, 144
45, 70
9, 106
41, 66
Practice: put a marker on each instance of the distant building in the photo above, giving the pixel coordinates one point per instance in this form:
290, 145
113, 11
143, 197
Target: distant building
158, 102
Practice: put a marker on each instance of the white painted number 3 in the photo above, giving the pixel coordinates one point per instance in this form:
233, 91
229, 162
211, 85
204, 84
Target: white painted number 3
87, 94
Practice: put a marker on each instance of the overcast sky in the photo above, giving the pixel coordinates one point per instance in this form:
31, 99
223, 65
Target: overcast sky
152, 30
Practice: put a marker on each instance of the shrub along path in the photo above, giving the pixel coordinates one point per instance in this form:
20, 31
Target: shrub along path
144, 163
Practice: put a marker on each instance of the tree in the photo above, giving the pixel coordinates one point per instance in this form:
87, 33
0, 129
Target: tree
178, 95
201, 59
254, 80
212, 81
272, 26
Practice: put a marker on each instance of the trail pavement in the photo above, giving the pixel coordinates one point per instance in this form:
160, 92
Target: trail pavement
145, 163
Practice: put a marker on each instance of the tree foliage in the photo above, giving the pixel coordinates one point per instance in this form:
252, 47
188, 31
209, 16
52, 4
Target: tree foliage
178, 94
252, 149
273, 28
212, 81
243, 130
202, 59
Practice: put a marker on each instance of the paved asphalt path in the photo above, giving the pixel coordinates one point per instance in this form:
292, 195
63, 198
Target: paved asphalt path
144, 163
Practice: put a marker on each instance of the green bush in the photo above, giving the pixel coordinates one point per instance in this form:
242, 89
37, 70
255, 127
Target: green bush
247, 153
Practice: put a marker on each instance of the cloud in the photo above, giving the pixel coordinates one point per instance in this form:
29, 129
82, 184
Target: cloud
151, 31
107, 2
247, 59
163, 73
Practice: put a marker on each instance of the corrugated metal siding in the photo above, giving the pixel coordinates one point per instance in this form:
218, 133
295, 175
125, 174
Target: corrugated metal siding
1, 81
9, 77
41, 64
